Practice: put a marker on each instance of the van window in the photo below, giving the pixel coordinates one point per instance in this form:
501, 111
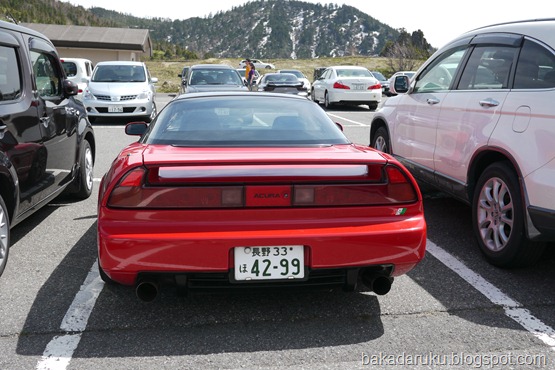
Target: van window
10, 80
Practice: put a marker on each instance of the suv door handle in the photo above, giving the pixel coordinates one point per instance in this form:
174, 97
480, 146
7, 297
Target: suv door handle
489, 102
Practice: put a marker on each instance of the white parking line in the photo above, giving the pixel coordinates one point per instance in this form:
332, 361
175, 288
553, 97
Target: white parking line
59, 351
513, 309
348, 120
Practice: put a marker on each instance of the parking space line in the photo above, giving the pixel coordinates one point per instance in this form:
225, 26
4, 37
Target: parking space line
513, 309
59, 350
348, 120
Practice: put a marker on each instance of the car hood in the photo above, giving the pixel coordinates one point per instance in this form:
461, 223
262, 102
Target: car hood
117, 88
215, 88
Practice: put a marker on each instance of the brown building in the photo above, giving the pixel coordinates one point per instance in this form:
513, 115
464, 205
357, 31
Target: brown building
97, 43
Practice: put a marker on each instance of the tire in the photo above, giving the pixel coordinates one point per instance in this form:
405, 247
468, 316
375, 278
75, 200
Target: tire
327, 103
380, 141
84, 180
4, 235
498, 219
372, 105
149, 119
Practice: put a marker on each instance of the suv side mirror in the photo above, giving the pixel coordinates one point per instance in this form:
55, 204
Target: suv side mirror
400, 85
70, 88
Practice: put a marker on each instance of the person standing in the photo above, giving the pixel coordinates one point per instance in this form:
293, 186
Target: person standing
247, 71
251, 76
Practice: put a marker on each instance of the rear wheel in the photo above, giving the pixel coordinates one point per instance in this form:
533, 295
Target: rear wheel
381, 140
498, 219
372, 105
4, 235
327, 103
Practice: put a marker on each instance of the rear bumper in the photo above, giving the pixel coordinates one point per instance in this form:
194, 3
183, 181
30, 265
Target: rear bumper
179, 242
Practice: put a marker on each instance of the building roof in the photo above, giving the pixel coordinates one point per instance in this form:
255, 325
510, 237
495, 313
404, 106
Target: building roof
94, 37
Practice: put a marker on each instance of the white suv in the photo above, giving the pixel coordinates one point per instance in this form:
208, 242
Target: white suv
477, 121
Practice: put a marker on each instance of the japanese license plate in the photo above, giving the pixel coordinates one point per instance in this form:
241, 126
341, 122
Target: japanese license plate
358, 86
281, 262
115, 109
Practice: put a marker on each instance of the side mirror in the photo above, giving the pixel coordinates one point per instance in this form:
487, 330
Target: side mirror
400, 85
136, 128
70, 88
154, 79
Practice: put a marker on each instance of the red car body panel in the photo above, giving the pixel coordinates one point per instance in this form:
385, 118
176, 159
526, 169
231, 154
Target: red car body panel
132, 241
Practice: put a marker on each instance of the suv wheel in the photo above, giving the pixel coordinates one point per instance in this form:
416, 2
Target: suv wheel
4, 235
498, 219
381, 140
372, 105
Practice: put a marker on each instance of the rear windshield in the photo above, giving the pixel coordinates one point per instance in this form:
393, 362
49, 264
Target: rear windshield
227, 121
70, 68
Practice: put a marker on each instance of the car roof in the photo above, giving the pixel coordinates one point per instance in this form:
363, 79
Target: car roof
214, 66
120, 63
248, 94
349, 67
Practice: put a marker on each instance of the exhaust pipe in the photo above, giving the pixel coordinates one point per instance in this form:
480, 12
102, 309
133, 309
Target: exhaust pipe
379, 284
147, 290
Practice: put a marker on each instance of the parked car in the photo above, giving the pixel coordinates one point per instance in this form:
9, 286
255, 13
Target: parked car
121, 89
285, 83
78, 70
230, 190
47, 145
213, 77
409, 74
383, 81
183, 76
257, 64
301, 76
476, 121
347, 85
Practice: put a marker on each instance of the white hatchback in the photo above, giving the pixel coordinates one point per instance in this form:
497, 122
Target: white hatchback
78, 70
121, 89
477, 121
347, 85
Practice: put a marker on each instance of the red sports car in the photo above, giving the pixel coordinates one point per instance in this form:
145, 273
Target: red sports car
249, 190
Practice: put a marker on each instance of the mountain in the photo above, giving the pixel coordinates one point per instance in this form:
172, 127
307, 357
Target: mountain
264, 28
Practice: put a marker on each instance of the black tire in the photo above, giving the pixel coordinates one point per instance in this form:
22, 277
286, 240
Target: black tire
372, 105
380, 141
149, 119
4, 235
498, 219
327, 103
84, 181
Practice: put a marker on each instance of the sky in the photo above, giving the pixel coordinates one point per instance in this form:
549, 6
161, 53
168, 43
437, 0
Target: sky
439, 20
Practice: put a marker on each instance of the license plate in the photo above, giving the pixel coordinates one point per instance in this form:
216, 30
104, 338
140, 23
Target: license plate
358, 86
283, 262
115, 109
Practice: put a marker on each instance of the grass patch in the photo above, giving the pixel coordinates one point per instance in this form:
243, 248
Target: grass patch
167, 72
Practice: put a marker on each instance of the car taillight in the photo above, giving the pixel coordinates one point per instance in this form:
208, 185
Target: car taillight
340, 85
379, 186
377, 86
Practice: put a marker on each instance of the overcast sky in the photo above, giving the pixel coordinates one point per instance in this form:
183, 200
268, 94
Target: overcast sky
439, 20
